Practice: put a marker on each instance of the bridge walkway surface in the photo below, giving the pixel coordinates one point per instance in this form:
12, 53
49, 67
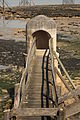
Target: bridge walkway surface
32, 97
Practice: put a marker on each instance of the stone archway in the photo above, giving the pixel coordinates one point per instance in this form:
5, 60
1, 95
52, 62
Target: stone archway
42, 39
43, 28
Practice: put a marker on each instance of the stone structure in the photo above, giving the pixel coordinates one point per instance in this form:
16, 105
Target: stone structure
42, 28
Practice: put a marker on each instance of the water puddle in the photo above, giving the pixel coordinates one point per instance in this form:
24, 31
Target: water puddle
2, 67
13, 23
67, 37
64, 37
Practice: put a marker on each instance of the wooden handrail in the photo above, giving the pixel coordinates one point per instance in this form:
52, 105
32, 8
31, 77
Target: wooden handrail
54, 55
42, 87
30, 51
62, 79
66, 73
25, 72
54, 92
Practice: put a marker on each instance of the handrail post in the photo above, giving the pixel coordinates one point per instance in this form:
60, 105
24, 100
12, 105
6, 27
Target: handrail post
6, 114
16, 96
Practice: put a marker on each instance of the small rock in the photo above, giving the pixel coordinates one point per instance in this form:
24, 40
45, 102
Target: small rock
1, 100
4, 90
1, 35
7, 96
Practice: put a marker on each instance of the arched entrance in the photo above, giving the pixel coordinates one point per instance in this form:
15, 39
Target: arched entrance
42, 28
42, 39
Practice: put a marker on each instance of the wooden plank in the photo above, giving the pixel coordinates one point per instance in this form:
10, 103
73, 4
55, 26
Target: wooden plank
61, 115
72, 109
16, 98
73, 93
6, 114
25, 54
36, 112
65, 83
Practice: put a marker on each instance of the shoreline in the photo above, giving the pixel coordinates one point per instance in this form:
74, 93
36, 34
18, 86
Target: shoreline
24, 12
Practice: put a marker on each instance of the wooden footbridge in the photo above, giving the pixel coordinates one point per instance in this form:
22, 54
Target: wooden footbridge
42, 92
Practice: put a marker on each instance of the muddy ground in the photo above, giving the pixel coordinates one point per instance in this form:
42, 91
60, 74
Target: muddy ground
11, 55
48, 10
69, 43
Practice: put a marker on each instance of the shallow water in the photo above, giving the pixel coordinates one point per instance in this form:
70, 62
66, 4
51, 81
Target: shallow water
7, 26
13, 23
2, 67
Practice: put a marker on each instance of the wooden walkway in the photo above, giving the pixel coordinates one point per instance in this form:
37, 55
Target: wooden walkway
32, 97
33, 91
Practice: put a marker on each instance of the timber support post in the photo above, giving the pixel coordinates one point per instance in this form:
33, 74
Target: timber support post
6, 115
16, 95
61, 114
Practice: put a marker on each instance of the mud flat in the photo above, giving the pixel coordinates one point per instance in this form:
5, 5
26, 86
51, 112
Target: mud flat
69, 44
11, 55
48, 10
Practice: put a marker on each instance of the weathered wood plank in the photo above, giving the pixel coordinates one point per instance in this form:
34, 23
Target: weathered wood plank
66, 73
27, 112
6, 114
72, 109
62, 79
73, 93
61, 115
16, 95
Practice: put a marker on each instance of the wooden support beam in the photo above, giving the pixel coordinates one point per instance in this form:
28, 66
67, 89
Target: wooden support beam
66, 73
3, 10
62, 79
25, 54
72, 109
61, 115
6, 114
73, 93
27, 112
64, 82
16, 97
54, 91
